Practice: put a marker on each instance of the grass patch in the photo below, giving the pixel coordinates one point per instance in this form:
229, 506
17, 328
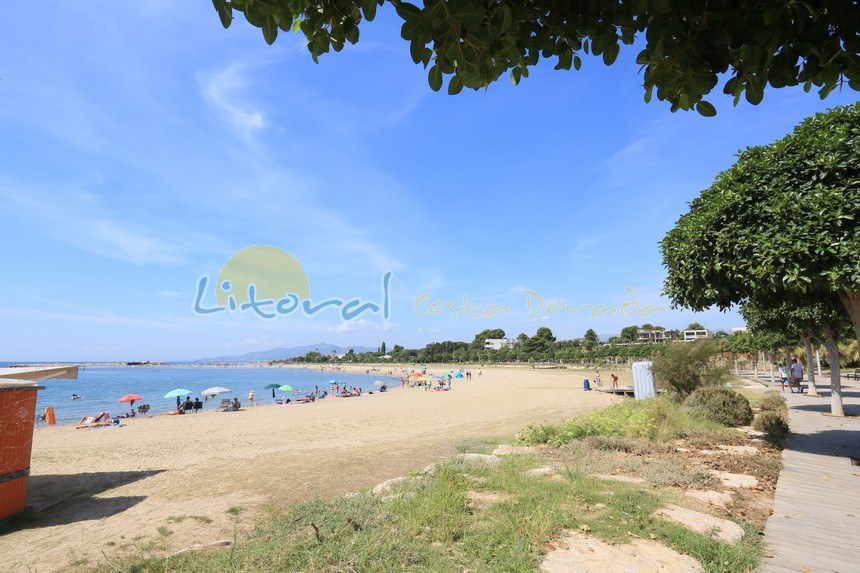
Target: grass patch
657, 419
163, 531
431, 525
235, 510
479, 446
181, 518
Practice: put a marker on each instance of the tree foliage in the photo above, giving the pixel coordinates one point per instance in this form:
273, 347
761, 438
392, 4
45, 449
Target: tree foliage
630, 333
686, 366
685, 44
479, 339
783, 223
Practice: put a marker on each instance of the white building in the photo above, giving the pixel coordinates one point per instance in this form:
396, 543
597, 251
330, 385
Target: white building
499, 343
695, 334
654, 336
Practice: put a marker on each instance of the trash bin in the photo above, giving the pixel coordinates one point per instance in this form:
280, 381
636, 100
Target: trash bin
17, 414
586, 385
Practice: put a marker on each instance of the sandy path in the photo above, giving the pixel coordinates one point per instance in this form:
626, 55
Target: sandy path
107, 491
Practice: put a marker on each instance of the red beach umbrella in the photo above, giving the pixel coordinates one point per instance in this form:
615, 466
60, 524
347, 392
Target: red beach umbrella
130, 398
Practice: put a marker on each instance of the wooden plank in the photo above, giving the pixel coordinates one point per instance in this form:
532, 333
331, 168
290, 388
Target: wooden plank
816, 522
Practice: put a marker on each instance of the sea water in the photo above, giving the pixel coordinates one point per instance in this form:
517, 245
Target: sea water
101, 388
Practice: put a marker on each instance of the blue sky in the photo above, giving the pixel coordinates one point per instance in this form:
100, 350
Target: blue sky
143, 145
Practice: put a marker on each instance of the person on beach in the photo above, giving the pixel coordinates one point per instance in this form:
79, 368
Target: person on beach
187, 405
796, 375
597, 379
783, 375
198, 405
236, 404
251, 398
614, 380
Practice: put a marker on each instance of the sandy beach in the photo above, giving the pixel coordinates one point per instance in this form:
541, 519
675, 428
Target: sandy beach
104, 493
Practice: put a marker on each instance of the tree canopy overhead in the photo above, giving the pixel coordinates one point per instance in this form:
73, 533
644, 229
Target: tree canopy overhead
782, 224
686, 44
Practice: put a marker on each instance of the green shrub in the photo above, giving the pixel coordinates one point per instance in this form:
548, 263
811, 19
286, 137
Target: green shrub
721, 404
653, 419
773, 402
686, 366
772, 424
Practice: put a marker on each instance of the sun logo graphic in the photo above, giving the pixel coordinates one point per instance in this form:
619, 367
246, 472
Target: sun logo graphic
270, 282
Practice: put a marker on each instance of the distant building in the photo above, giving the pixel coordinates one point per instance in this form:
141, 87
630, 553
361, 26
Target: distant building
654, 336
695, 335
737, 329
499, 343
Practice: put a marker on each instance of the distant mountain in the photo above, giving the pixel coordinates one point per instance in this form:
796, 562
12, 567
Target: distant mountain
285, 353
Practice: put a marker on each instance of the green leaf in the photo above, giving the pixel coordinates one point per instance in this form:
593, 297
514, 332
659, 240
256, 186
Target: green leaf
369, 9
564, 60
577, 62
506, 19
515, 76
754, 92
225, 12
662, 6
455, 86
611, 53
270, 30
416, 50
434, 77
706, 109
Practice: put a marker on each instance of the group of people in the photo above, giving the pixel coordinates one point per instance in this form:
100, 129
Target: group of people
791, 375
188, 406
599, 382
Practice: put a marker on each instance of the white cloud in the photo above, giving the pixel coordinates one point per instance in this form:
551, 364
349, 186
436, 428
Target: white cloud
222, 90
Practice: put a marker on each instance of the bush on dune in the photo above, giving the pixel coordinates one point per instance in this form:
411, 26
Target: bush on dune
653, 419
773, 425
771, 401
720, 404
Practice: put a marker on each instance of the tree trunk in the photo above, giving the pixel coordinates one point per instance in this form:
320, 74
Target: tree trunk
810, 369
770, 363
817, 360
832, 344
755, 366
737, 370
851, 302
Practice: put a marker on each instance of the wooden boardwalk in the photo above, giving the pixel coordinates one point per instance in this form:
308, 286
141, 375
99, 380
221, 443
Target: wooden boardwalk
815, 526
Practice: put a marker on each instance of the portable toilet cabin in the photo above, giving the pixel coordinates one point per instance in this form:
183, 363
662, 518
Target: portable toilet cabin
643, 380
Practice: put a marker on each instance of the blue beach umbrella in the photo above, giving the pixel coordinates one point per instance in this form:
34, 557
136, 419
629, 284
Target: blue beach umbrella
178, 393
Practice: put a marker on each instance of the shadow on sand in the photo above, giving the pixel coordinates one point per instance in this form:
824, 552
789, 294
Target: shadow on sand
60, 499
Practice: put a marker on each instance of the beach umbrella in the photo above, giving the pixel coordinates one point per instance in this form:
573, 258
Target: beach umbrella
379, 383
459, 375
215, 390
178, 393
286, 388
272, 387
131, 398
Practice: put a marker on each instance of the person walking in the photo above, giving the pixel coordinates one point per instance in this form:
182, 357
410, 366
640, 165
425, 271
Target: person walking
796, 375
251, 398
